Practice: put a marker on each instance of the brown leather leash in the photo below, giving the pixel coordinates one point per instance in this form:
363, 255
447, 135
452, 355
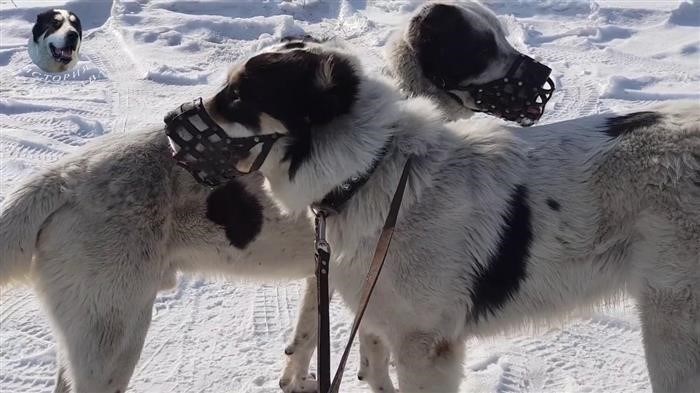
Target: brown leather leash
370, 282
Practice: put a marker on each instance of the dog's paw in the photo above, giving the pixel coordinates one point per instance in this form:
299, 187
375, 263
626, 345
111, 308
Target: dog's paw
378, 382
296, 377
299, 384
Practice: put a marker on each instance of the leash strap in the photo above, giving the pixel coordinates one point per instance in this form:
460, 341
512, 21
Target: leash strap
373, 274
322, 257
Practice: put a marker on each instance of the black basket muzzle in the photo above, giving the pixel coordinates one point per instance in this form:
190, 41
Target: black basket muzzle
519, 96
202, 147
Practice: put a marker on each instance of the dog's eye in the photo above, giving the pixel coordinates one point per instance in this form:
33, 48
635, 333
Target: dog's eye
57, 23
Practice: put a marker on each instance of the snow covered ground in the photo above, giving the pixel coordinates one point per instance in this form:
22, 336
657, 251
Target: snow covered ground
140, 57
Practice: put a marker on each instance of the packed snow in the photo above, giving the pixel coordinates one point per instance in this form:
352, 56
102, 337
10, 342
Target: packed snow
139, 58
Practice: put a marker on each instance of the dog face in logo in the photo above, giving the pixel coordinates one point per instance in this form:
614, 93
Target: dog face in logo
55, 41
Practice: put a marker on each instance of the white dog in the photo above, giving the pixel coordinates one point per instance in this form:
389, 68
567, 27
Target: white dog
55, 42
499, 226
101, 231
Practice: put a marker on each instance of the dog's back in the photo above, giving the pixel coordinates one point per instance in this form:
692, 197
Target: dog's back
113, 178
655, 161
605, 203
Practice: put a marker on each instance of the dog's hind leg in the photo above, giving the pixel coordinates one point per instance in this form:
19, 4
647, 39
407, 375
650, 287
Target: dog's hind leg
671, 334
100, 311
667, 291
295, 377
101, 333
374, 363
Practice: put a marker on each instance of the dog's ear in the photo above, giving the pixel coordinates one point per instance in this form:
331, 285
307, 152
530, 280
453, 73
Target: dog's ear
43, 22
302, 90
336, 85
299, 87
448, 47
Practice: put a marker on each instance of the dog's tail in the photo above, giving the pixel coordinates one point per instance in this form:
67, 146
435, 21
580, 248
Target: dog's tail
21, 217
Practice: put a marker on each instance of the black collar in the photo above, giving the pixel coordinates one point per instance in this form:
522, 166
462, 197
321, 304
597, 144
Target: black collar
334, 201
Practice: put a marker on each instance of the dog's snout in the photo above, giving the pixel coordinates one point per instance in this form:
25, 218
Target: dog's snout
170, 116
72, 38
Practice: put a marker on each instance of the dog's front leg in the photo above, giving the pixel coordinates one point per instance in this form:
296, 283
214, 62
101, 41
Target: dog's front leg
295, 377
374, 363
427, 362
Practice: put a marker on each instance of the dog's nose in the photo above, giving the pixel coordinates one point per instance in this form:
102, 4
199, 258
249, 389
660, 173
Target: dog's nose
72, 38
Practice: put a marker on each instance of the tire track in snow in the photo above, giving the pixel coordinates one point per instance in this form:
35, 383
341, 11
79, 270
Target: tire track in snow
274, 307
588, 94
28, 352
186, 367
266, 310
563, 359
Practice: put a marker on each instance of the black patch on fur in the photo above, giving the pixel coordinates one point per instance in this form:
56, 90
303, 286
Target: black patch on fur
500, 280
294, 45
238, 211
76, 24
285, 85
303, 38
554, 205
298, 41
448, 48
228, 104
620, 125
45, 23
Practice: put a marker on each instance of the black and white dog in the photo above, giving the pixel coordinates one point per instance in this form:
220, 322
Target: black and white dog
55, 42
499, 227
101, 231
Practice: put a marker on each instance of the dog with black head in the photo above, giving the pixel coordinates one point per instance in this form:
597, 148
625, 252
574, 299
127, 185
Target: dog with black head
499, 227
55, 42
459, 56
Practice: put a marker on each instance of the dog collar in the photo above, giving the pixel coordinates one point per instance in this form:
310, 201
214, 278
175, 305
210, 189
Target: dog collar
335, 200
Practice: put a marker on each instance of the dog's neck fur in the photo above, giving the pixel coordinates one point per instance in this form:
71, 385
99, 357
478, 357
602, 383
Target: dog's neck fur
349, 145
